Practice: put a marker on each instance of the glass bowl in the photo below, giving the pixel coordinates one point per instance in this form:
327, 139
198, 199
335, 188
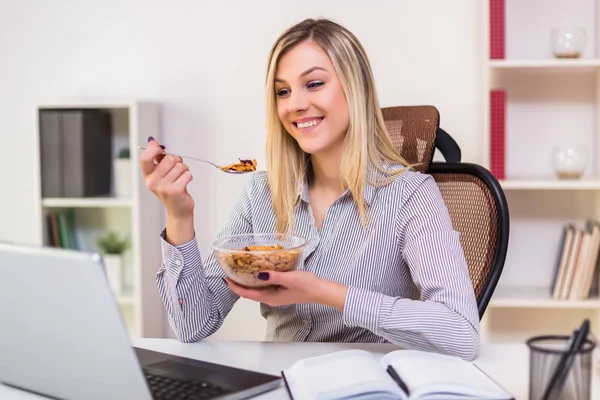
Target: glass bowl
569, 162
242, 257
568, 41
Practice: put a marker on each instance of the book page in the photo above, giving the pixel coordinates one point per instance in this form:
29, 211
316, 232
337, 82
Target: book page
338, 375
426, 372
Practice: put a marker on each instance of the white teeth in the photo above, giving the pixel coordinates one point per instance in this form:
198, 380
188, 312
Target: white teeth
308, 123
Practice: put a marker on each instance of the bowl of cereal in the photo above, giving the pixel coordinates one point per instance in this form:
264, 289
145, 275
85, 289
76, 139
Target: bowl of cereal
242, 257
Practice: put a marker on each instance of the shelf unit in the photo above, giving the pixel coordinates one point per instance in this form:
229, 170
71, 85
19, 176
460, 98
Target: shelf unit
100, 202
579, 64
549, 102
550, 184
537, 298
137, 216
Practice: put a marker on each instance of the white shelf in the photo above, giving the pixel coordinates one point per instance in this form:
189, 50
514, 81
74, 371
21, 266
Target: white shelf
584, 184
126, 300
91, 104
95, 202
549, 63
137, 217
536, 297
549, 102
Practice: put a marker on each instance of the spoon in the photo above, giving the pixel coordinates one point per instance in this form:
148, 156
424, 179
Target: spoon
205, 161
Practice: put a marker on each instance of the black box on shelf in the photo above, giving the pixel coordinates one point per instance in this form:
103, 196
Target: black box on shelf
76, 153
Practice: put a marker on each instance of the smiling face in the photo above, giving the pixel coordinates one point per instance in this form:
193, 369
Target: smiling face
310, 100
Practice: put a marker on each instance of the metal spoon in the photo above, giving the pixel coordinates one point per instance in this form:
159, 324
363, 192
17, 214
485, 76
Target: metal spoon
205, 161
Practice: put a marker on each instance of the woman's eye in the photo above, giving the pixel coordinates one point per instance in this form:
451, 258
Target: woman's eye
314, 85
282, 92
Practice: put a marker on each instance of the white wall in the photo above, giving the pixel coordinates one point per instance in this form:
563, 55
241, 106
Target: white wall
205, 61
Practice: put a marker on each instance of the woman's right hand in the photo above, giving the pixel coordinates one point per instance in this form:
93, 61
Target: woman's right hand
168, 180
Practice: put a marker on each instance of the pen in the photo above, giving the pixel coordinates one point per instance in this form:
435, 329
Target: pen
574, 345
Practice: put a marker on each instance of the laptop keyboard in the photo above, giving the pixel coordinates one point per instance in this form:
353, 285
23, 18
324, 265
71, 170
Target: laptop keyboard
164, 388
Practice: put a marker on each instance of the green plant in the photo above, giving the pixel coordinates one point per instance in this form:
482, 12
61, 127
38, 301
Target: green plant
112, 243
124, 153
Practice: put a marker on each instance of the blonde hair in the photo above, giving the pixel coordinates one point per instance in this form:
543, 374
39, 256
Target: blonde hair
366, 141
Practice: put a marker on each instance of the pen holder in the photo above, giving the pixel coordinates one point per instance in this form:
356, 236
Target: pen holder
545, 353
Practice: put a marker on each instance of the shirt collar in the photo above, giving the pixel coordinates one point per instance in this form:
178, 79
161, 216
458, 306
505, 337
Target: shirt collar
368, 193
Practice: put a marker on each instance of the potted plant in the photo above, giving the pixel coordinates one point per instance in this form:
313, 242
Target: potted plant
112, 247
122, 173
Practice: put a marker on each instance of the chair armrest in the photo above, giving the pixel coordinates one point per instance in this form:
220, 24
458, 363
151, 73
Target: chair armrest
447, 146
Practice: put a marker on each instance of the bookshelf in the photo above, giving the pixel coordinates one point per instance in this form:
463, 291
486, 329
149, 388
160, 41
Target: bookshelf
537, 298
545, 102
106, 202
565, 64
550, 184
134, 214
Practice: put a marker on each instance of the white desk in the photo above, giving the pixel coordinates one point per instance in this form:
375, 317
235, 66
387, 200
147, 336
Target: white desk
505, 363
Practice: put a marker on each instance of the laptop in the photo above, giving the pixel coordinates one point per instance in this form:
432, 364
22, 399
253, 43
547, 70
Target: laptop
62, 337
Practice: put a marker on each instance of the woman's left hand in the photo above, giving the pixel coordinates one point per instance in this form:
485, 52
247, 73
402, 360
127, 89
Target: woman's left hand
294, 287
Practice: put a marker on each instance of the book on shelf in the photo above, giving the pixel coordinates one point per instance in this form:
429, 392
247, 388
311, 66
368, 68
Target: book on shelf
60, 228
75, 153
498, 133
497, 29
577, 269
400, 374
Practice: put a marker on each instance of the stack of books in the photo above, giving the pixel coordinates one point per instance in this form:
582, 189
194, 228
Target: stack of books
60, 227
576, 275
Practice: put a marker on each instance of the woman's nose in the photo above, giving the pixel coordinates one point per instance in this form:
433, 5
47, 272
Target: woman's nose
298, 102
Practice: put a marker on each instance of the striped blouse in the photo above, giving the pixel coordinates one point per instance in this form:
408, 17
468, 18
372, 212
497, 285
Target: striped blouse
407, 278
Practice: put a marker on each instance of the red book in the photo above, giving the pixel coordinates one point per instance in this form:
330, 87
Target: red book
497, 133
497, 29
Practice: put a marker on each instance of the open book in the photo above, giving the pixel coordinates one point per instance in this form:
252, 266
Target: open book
399, 375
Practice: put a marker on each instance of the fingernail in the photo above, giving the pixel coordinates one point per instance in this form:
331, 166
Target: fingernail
150, 138
263, 276
162, 147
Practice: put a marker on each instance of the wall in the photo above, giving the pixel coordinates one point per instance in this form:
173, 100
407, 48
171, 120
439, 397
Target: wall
205, 62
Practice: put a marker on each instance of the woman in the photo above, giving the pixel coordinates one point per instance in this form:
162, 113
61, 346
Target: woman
384, 263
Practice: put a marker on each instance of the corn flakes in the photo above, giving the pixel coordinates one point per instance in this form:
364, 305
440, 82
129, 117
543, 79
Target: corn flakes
242, 166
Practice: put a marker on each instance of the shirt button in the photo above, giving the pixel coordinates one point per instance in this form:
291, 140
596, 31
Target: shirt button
178, 262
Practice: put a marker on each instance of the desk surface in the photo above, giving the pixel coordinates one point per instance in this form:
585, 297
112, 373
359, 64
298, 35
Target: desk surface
505, 363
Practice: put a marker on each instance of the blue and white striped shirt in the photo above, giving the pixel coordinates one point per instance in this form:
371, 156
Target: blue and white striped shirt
408, 279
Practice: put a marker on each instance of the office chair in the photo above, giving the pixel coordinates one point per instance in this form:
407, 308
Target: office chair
474, 198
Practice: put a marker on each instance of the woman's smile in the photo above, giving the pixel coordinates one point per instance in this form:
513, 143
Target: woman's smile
309, 124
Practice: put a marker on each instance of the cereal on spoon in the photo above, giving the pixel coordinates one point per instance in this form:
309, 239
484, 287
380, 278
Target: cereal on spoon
242, 166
